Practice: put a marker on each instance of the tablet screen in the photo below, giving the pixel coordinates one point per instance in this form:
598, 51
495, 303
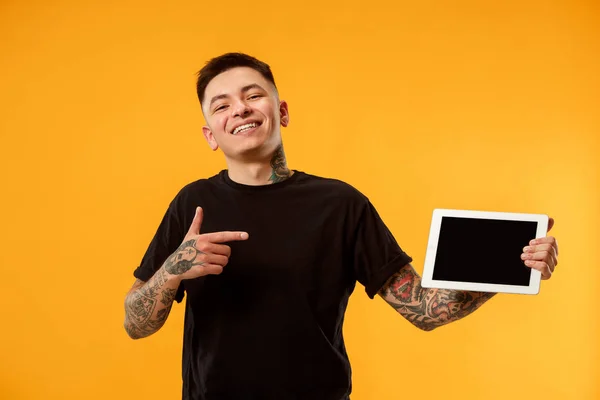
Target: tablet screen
483, 251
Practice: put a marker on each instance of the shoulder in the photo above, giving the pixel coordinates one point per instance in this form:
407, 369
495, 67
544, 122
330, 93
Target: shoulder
193, 192
332, 187
197, 186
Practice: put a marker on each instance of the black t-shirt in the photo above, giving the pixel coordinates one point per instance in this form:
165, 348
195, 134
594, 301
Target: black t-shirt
270, 326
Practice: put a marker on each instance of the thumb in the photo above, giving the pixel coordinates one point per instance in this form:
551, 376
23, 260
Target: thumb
196, 222
550, 223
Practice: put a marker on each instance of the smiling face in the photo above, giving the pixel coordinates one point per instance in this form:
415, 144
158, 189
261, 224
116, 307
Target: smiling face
243, 115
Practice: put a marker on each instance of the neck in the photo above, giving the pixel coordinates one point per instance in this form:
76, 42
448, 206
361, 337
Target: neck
260, 173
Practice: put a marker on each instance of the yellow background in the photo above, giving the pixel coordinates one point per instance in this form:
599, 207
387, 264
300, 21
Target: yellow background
467, 104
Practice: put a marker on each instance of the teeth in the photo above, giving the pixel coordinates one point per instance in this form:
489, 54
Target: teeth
244, 127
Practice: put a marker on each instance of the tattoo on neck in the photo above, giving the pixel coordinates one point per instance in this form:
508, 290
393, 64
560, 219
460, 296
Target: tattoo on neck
280, 170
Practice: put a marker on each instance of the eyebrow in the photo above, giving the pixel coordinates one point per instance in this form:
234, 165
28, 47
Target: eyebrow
244, 90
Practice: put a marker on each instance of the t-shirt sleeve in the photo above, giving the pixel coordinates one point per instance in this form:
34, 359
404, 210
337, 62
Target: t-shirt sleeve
377, 255
166, 240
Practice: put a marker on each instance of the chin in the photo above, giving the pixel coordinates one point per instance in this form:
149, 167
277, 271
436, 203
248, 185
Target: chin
258, 151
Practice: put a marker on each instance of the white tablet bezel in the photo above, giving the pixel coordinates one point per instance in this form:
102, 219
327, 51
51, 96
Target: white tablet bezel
434, 233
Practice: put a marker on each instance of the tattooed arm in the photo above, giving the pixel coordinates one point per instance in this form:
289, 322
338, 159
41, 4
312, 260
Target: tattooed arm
147, 305
428, 309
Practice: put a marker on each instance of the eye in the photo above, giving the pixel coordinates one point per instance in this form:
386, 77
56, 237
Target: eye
221, 107
254, 96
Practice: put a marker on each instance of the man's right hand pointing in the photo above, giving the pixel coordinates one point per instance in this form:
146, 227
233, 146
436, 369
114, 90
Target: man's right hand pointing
201, 255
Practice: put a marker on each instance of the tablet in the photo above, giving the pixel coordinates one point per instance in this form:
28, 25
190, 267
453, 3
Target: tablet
481, 251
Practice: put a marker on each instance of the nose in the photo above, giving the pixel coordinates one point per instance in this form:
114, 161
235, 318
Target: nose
240, 109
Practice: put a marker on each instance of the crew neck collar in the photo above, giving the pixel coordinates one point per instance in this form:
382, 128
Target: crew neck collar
258, 188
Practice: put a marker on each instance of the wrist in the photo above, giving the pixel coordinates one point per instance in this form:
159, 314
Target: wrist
172, 278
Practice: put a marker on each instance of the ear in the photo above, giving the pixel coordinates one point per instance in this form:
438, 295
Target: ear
284, 114
208, 135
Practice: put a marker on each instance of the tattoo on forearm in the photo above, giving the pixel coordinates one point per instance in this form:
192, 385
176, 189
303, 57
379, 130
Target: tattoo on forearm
280, 171
143, 314
147, 308
141, 307
168, 295
429, 308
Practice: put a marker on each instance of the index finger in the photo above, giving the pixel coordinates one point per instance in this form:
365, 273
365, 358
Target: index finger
225, 236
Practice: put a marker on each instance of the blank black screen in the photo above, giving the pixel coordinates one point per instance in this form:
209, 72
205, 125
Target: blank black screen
483, 251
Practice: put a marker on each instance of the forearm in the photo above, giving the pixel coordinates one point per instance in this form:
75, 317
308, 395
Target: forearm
429, 308
147, 308
442, 306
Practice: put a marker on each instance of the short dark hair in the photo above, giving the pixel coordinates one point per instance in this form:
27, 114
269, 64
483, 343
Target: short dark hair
228, 61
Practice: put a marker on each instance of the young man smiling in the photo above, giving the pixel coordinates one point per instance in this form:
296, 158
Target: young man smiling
268, 258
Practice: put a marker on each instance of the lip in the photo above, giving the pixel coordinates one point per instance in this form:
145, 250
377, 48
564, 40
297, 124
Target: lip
246, 132
250, 121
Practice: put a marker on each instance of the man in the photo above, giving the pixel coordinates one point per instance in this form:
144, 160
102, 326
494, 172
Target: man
269, 256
